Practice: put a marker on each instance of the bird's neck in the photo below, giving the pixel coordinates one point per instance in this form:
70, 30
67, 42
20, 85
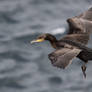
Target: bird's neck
53, 41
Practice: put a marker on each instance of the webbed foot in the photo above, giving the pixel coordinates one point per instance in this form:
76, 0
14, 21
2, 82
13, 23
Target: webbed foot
84, 70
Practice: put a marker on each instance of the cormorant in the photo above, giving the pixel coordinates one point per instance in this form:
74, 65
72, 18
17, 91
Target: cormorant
73, 44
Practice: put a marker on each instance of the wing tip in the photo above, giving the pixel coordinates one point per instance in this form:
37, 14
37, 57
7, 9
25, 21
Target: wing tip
90, 9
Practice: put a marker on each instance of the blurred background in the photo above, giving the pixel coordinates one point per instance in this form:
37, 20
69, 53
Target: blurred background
25, 67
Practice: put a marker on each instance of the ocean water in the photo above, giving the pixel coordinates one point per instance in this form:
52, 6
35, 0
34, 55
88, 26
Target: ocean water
25, 67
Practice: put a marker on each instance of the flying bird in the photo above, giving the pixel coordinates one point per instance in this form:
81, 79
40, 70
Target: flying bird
73, 44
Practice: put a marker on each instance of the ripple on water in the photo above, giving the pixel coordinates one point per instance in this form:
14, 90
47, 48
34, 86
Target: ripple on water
55, 80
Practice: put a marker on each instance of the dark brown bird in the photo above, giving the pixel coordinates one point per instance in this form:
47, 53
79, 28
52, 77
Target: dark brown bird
73, 44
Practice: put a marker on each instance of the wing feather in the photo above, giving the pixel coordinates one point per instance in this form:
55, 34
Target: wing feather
63, 57
86, 15
81, 23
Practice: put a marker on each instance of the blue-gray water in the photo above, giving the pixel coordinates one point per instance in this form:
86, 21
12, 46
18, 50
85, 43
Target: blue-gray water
25, 67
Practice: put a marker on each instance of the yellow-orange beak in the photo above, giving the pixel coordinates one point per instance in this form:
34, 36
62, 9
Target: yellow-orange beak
38, 40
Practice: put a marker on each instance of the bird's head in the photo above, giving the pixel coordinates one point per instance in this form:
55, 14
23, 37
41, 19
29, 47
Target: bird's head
42, 38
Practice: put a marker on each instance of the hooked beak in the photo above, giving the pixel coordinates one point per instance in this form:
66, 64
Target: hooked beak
38, 40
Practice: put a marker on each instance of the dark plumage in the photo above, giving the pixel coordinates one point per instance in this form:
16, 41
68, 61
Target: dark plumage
73, 44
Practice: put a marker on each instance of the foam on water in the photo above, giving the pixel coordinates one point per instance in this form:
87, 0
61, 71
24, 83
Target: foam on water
58, 31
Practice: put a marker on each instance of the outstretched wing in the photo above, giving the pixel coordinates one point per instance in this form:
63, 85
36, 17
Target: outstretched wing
63, 57
86, 15
80, 27
81, 23
82, 38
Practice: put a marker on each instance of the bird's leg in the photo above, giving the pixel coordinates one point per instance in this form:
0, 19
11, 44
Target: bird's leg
83, 67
